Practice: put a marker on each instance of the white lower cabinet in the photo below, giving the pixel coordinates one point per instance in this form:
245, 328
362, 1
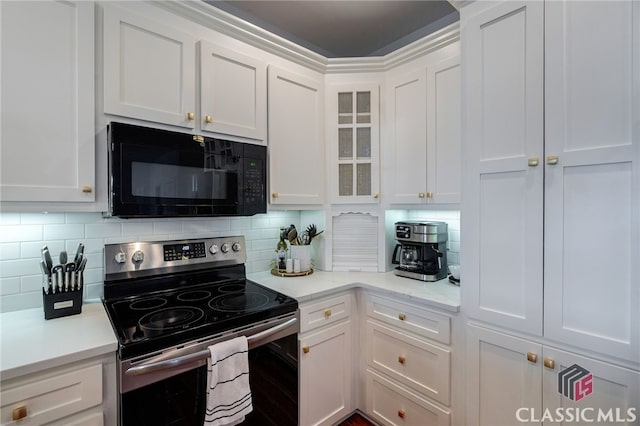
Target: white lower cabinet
78, 394
512, 380
408, 363
325, 360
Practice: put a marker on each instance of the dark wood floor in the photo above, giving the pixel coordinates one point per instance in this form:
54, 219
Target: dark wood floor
356, 420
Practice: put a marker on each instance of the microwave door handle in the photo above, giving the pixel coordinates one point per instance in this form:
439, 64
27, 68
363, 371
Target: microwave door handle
253, 341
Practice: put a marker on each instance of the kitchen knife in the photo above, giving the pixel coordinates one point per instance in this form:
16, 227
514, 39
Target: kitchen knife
79, 254
46, 276
57, 276
80, 273
63, 257
69, 276
46, 256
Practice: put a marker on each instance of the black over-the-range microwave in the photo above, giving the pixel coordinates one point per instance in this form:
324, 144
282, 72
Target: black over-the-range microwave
161, 173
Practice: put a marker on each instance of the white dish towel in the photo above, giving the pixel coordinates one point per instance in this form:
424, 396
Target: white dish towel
228, 392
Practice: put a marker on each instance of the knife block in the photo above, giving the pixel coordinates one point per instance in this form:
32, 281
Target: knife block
62, 304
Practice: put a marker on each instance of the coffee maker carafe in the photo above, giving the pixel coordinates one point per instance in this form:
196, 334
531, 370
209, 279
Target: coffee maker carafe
422, 250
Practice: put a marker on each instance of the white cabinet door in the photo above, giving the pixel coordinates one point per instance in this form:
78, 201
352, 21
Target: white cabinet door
47, 113
503, 134
149, 69
443, 132
353, 139
592, 186
325, 375
503, 376
594, 387
296, 147
407, 95
233, 93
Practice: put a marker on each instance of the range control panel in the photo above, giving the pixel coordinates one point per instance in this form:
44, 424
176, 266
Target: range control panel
159, 255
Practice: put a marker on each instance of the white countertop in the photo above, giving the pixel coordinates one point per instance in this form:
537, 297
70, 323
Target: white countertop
29, 343
440, 294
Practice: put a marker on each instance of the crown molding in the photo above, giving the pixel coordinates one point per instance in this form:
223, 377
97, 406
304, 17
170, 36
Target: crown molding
228, 24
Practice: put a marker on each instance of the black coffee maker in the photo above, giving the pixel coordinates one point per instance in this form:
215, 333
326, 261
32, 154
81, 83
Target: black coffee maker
422, 250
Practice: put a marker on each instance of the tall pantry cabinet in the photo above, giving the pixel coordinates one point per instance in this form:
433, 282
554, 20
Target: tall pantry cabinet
551, 193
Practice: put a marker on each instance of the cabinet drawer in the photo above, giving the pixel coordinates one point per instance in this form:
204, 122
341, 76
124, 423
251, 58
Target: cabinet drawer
53, 397
411, 318
413, 362
325, 312
391, 404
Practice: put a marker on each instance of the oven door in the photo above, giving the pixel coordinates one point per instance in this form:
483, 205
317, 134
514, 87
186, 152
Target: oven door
170, 388
158, 173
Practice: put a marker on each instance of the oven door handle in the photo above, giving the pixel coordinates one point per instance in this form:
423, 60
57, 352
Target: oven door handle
252, 341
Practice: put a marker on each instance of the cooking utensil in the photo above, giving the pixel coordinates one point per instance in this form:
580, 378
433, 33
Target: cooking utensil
57, 276
63, 257
47, 276
69, 281
79, 254
293, 235
46, 256
80, 273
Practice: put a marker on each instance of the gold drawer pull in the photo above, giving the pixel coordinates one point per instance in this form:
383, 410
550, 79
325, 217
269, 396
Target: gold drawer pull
402, 359
87, 189
549, 363
429, 194
552, 160
532, 162
532, 357
402, 317
274, 195
327, 313
401, 414
421, 195
191, 116
19, 412
207, 119
306, 349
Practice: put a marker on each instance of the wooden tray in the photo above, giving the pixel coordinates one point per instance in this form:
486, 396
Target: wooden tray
279, 273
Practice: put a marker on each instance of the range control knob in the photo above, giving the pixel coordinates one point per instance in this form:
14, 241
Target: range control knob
137, 257
225, 248
213, 249
120, 257
236, 247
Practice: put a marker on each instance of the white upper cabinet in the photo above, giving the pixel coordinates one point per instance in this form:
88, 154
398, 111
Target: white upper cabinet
47, 113
425, 132
296, 145
354, 134
233, 93
149, 70
592, 175
576, 171
503, 138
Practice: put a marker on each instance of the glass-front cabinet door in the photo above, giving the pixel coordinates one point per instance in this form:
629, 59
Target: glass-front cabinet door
354, 138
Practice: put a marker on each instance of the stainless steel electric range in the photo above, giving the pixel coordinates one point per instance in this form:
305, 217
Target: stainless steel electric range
167, 302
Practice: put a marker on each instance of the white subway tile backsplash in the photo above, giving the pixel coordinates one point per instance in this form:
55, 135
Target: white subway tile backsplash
22, 236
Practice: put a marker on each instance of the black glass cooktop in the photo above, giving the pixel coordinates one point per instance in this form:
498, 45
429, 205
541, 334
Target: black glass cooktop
160, 319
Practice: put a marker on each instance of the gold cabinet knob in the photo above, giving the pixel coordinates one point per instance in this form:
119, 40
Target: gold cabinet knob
19, 412
327, 313
376, 196
402, 359
306, 349
191, 116
429, 194
401, 414
87, 189
549, 363
402, 317
552, 160
421, 195
207, 119
532, 162
532, 357
274, 195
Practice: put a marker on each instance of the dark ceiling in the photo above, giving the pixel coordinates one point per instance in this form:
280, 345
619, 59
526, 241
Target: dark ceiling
338, 29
